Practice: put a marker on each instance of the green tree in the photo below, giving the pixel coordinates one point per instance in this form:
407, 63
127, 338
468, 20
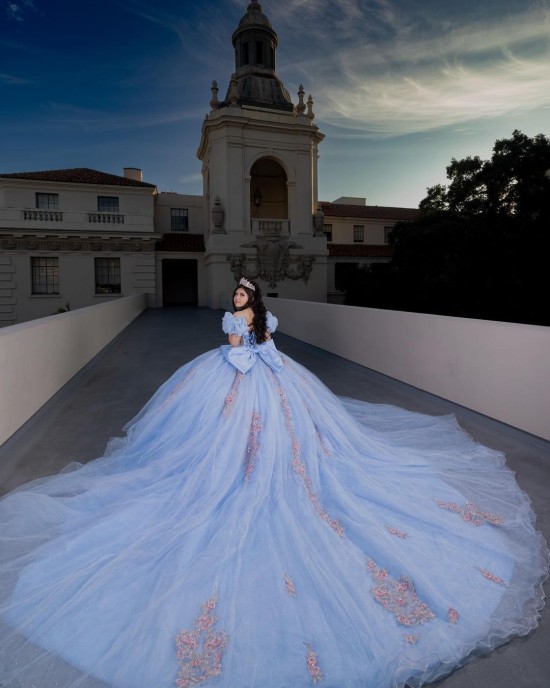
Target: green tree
514, 181
481, 244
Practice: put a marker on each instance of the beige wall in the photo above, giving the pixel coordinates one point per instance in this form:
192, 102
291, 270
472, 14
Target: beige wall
169, 199
76, 202
77, 282
37, 358
342, 229
499, 369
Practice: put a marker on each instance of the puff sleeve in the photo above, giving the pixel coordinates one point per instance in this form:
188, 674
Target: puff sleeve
234, 325
271, 322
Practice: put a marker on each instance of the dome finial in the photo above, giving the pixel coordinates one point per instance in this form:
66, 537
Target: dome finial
301, 107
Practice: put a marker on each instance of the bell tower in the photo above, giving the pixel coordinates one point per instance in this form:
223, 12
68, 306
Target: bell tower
259, 165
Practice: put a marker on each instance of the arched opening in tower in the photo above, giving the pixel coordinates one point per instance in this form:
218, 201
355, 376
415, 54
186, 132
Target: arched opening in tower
268, 190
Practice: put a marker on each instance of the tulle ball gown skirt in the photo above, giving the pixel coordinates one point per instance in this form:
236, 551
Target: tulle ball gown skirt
252, 530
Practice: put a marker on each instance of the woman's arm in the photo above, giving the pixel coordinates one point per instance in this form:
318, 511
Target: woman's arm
235, 339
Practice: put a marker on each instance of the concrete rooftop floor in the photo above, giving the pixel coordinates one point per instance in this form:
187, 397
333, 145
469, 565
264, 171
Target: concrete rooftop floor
76, 424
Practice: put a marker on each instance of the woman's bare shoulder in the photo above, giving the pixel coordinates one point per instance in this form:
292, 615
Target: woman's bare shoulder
247, 314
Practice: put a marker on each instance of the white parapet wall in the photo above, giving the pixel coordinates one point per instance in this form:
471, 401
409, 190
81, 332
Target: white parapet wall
38, 357
499, 369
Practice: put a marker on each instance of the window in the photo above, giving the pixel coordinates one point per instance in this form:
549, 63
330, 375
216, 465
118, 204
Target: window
358, 233
107, 275
259, 52
45, 275
327, 229
179, 221
343, 272
245, 59
46, 201
387, 233
107, 204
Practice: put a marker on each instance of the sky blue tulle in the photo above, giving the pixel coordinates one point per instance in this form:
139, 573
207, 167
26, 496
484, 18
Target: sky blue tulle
252, 530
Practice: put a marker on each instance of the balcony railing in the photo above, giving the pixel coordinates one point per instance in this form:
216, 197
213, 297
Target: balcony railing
43, 215
270, 226
106, 218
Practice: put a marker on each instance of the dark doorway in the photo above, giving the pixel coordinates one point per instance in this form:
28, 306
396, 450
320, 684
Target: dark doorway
179, 282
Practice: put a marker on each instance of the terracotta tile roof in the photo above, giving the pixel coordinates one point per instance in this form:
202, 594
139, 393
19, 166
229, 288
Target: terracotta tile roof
193, 243
368, 212
78, 175
360, 250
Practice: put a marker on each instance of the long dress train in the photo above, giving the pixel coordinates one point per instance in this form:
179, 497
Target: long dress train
252, 530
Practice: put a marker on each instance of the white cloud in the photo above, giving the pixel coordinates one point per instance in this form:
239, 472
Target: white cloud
420, 82
17, 10
13, 80
190, 179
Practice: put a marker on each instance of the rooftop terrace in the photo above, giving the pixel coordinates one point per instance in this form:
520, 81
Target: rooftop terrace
78, 421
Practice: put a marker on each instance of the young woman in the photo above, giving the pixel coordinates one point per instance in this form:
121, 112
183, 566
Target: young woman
252, 530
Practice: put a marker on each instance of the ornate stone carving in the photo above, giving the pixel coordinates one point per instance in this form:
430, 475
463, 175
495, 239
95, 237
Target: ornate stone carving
9, 244
272, 262
31, 245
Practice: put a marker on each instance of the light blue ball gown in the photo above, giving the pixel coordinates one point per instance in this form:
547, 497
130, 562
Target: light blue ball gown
252, 530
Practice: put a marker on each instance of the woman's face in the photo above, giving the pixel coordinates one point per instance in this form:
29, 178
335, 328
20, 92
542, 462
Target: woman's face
240, 298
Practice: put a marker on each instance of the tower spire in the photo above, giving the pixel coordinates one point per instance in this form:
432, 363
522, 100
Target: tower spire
255, 43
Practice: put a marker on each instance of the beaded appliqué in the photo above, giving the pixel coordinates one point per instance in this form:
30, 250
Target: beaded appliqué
398, 533
313, 665
399, 597
176, 389
200, 650
289, 584
491, 577
252, 446
453, 616
299, 467
470, 513
232, 396
411, 639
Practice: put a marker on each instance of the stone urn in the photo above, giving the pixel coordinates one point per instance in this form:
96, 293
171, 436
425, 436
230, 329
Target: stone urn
218, 214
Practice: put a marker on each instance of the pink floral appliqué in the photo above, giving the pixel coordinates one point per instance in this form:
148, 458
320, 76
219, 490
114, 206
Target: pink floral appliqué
252, 446
399, 597
411, 639
470, 513
299, 467
398, 533
289, 584
200, 650
232, 396
176, 389
313, 665
491, 576
453, 616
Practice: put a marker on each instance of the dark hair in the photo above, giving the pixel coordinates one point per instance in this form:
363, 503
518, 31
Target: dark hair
259, 322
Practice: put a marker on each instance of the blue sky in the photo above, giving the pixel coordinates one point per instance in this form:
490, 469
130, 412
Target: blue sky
400, 86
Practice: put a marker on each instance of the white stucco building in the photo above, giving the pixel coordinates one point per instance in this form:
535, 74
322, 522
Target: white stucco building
69, 238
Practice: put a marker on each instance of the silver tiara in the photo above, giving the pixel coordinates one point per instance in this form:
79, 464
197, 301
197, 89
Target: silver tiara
247, 284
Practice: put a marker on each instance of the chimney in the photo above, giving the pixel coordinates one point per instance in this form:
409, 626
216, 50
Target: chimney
133, 173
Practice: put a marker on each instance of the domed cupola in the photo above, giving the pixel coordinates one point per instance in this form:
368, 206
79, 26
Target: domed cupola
255, 43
